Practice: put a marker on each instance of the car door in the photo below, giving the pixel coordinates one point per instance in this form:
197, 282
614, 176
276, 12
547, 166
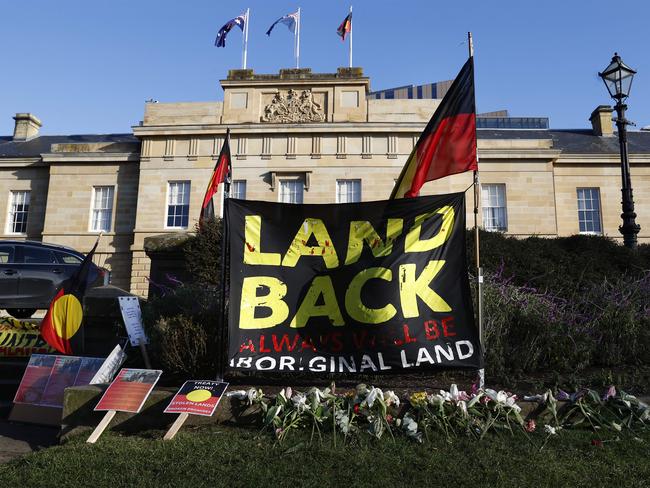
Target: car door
40, 275
9, 274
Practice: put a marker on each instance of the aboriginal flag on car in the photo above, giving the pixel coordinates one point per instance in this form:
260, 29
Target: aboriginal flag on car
63, 319
219, 175
448, 143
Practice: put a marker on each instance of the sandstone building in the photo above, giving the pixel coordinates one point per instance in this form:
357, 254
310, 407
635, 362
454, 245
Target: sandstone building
299, 136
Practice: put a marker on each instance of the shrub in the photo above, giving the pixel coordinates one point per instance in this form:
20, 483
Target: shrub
526, 331
185, 327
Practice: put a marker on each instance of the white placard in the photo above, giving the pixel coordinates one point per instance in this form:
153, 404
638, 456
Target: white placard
111, 365
130, 307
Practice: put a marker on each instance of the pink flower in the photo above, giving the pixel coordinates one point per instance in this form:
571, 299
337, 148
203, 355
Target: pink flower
356, 409
389, 419
596, 442
530, 425
610, 393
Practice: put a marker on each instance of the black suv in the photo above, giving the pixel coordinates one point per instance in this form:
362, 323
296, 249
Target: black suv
31, 272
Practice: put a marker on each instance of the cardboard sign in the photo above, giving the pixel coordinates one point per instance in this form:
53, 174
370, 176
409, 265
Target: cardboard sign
197, 397
109, 367
34, 379
132, 315
46, 378
128, 392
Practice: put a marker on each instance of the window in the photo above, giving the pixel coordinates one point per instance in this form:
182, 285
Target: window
495, 216
6, 254
348, 191
18, 210
178, 204
36, 255
238, 189
102, 209
291, 191
589, 211
65, 258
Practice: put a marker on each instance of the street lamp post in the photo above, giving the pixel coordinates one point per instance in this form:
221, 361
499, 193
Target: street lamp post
618, 80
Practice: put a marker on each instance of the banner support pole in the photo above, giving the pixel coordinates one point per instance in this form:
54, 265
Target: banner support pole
479, 270
245, 39
222, 356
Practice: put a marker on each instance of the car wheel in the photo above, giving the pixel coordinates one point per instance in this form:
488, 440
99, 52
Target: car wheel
21, 313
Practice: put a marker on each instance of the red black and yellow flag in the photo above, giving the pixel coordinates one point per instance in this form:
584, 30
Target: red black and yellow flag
345, 27
221, 172
63, 319
448, 143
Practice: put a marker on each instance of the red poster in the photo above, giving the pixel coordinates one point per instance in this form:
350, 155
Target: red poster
62, 376
35, 379
88, 369
129, 390
197, 397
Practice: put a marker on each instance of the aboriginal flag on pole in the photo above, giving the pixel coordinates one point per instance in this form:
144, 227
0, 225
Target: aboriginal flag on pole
448, 143
63, 319
219, 175
345, 27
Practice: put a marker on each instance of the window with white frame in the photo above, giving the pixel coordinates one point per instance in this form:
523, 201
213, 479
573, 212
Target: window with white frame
102, 209
238, 189
495, 215
348, 191
178, 204
291, 191
18, 211
589, 211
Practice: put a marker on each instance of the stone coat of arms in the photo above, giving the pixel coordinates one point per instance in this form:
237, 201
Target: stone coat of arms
293, 107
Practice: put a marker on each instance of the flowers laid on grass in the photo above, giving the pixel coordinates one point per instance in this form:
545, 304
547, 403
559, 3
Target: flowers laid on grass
368, 410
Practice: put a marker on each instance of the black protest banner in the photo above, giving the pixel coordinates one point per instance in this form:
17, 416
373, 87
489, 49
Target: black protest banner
364, 287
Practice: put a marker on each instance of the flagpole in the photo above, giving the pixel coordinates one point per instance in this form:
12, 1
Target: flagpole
350, 38
297, 40
479, 270
222, 356
245, 39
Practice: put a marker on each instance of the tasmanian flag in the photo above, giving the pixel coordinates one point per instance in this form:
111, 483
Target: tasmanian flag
448, 143
345, 27
63, 319
219, 175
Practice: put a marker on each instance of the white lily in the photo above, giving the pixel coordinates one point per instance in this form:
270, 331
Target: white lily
436, 400
551, 430
391, 398
299, 401
457, 395
373, 395
463, 407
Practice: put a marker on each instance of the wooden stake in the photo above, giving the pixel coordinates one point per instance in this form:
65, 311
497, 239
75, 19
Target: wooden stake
145, 356
176, 426
101, 427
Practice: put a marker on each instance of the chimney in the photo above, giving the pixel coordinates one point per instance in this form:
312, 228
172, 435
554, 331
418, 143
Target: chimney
601, 121
26, 127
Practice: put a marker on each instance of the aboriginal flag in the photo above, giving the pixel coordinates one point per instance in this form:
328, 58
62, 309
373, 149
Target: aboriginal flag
63, 319
448, 143
345, 27
219, 175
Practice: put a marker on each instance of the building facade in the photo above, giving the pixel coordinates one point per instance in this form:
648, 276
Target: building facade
299, 137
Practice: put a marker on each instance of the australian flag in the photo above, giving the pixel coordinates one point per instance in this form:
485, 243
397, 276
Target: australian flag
290, 20
239, 21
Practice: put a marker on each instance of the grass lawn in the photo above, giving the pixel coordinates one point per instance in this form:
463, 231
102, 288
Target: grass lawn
233, 457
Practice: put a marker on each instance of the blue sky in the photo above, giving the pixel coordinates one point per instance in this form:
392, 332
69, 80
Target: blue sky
88, 66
